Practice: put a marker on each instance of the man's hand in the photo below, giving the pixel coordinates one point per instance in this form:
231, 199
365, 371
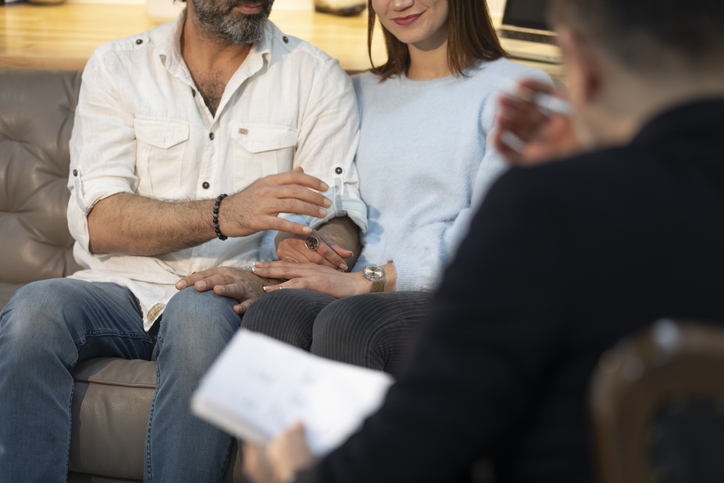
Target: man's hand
287, 454
310, 276
293, 248
241, 285
133, 225
257, 207
527, 134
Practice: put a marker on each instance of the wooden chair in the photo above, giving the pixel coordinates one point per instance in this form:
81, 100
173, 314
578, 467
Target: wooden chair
657, 406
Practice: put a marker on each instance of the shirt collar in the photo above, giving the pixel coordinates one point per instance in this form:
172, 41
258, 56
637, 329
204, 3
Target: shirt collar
170, 50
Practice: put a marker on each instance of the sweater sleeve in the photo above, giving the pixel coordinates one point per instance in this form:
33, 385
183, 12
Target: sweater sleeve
477, 362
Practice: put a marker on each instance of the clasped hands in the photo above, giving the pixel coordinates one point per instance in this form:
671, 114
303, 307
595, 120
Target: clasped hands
256, 209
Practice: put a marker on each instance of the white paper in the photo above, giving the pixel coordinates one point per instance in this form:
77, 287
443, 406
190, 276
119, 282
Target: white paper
259, 386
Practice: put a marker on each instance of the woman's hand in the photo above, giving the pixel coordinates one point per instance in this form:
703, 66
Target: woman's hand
310, 276
295, 248
528, 134
287, 454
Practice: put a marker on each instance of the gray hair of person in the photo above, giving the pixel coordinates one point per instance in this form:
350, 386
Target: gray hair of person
649, 35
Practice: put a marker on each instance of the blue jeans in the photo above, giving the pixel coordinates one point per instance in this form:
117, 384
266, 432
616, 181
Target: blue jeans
51, 325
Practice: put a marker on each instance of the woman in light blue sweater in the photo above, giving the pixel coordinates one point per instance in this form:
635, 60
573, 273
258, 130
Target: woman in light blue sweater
425, 160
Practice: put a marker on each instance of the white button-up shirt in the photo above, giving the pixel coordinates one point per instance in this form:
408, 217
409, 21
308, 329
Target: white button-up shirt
141, 127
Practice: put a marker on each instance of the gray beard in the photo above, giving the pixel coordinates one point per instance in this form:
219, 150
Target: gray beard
221, 23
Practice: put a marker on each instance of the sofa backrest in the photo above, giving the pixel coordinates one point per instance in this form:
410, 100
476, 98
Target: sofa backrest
37, 108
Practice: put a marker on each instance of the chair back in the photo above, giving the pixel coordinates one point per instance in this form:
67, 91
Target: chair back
657, 406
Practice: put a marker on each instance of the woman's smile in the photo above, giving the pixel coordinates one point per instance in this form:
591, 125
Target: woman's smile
406, 20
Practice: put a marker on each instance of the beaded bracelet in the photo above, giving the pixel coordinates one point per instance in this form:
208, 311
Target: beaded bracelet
219, 235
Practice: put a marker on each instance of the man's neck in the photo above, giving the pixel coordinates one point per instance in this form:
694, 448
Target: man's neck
202, 50
211, 62
632, 101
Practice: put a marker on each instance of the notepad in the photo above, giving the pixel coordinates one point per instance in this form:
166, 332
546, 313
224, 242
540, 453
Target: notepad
259, 387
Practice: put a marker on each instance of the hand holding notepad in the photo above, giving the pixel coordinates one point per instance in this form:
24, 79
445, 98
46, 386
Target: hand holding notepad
259, 386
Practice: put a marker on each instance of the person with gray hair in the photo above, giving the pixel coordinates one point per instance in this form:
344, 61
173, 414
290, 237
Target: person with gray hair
562, 260
189, 141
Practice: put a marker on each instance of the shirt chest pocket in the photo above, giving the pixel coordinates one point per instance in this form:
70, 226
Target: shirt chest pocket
160, 148
260, 150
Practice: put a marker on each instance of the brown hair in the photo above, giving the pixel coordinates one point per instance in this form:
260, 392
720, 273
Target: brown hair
471, 37
643, 34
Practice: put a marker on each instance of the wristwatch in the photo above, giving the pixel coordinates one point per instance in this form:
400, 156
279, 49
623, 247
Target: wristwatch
376, 276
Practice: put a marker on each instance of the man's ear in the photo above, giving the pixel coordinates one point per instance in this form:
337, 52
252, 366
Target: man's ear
582, 64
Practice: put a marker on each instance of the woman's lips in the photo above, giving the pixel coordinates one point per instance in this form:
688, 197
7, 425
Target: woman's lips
406, 20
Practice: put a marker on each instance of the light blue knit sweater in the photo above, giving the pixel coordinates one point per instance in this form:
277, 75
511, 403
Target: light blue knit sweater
425, 164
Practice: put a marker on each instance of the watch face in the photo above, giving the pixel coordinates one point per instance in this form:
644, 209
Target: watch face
372, 272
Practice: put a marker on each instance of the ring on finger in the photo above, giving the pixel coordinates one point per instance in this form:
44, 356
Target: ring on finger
312, 243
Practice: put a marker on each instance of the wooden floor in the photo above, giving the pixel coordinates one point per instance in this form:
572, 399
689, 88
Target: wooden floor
64, 36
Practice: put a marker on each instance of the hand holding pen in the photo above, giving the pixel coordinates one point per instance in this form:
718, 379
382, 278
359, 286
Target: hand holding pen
533, 125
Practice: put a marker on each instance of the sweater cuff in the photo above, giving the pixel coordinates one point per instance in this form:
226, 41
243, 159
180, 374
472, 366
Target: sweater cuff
412, 275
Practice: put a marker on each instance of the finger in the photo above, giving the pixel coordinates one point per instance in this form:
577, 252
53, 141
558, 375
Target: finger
538, 86
301, 178
313, 257
342, 252
292, 271
280, 286
331, 257
255, 464
276, 263
211, 281
507, 144
280, 224
243, 307
189, 280
520, 117
293, 205
231, 290
297, 250
297, 192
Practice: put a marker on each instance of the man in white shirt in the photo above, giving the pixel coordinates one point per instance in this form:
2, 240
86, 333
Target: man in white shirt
168, 123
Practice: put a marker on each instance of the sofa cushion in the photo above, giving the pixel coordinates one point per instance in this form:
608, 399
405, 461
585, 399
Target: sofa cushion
110, 425
111, 402
37, 109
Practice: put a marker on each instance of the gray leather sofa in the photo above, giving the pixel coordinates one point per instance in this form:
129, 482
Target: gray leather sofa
112, 397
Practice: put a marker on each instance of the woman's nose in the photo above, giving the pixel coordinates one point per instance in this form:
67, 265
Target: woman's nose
400, 5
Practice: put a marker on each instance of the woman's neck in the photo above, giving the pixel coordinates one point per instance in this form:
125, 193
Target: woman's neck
428, 60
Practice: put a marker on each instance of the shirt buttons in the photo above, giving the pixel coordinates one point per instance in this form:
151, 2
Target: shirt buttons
285, 39
139, 41
205, 185
338, 170
193, 92
211, 136
75, 172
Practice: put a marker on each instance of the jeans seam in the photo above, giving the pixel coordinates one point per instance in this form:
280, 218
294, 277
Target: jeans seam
70, 427
149, 478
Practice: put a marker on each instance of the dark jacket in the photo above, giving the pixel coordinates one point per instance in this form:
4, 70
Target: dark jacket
561, 261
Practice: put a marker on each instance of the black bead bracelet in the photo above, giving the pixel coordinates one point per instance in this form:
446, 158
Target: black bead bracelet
219, 235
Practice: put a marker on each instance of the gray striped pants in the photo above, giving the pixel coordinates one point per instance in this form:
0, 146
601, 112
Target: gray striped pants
371, 330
